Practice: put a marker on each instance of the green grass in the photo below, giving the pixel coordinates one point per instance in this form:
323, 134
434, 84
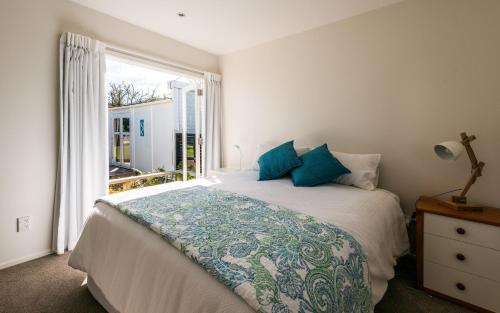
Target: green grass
190, 151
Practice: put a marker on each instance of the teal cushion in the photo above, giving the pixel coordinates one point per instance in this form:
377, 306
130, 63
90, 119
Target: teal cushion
278, 161
319, 166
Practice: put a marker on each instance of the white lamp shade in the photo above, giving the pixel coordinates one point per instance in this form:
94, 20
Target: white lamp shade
449, 150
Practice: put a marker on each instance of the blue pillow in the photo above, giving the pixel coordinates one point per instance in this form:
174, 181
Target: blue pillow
319, 167
278, 161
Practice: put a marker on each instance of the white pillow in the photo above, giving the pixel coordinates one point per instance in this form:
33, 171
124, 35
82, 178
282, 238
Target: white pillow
263, 148
363, 167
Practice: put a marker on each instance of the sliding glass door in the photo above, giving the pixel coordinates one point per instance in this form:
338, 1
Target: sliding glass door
190, 135
155, 124
192, 130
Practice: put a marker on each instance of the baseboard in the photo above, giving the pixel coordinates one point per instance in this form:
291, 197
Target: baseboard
25, 259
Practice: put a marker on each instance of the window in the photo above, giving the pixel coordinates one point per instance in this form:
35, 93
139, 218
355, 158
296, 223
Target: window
121, 140
154, 124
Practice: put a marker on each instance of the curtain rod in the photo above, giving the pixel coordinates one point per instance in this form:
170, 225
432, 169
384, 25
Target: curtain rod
131, 53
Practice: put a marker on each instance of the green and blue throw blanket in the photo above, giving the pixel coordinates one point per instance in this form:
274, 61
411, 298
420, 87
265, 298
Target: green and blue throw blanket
277, 260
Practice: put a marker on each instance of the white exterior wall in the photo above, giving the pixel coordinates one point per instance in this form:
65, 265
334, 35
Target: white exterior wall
142, 147
163, 120
157, 147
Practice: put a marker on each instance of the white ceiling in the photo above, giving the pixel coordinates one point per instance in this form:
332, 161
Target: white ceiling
225, 26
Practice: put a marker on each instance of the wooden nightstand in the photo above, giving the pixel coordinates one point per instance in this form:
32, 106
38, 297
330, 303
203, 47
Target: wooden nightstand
458, 254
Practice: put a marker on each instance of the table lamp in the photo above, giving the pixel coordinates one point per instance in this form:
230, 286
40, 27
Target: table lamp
452, 150
239, 150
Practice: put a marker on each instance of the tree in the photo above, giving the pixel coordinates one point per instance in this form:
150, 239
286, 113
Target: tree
125, 94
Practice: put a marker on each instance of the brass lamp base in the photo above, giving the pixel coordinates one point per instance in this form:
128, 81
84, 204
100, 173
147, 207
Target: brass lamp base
459, 199
460, 203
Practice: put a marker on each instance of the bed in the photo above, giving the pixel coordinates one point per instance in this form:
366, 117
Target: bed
132, 269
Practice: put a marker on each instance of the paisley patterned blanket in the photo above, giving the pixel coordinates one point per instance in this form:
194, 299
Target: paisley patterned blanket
277, 260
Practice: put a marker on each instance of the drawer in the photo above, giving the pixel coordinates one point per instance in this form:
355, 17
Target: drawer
476, 260
466, 231
479, 291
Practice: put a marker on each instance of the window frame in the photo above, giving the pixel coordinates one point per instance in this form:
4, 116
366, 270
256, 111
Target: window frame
121, 133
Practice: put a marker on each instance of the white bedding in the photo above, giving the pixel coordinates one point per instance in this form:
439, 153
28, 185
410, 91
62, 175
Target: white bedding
137, 271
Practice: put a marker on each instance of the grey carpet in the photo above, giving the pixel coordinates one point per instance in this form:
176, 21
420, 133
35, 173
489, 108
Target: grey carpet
49, 285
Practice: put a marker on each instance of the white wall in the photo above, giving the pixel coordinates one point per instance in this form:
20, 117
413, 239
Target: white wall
29, 33
396, 81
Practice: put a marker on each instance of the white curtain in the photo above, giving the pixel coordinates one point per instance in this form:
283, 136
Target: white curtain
213, 157
82, 174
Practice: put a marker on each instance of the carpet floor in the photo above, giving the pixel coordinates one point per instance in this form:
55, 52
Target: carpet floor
49, 285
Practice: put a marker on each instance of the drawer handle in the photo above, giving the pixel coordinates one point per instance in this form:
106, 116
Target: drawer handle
460, 257
460, 286
460, 231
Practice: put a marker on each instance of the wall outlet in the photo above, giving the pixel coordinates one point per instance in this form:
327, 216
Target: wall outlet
23, 223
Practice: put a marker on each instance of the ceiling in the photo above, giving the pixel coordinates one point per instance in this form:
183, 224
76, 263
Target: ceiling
225, 26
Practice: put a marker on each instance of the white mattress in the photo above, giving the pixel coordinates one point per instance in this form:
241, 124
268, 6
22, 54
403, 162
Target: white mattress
137, 271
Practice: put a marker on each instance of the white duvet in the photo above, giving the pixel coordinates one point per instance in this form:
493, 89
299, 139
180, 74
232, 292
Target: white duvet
132, 269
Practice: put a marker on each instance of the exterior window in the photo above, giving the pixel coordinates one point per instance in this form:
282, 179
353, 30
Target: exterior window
121, 141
